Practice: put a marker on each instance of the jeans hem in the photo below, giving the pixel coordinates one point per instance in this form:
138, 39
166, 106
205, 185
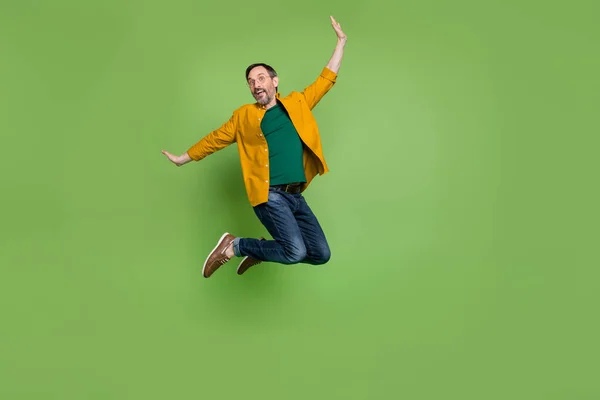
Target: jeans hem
236, 247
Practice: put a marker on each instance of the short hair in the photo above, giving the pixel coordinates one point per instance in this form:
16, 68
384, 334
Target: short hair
270, 70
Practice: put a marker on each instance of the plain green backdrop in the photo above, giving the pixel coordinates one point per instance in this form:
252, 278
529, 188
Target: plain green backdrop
460, 206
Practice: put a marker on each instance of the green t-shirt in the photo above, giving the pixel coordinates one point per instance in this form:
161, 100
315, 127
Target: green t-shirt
285, 147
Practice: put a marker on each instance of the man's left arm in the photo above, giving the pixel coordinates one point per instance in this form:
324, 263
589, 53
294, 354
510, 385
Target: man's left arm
327, 78
338, 53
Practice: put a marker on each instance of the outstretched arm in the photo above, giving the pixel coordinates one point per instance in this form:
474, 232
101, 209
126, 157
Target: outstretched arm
178, 160
214, 141
314, 92
338, 53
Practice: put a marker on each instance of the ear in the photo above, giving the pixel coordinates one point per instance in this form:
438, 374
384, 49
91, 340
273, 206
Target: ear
276, 81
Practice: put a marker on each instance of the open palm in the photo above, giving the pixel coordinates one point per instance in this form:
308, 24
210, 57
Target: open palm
338, 29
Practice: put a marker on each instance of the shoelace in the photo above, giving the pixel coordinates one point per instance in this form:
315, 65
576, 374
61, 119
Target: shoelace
222, 261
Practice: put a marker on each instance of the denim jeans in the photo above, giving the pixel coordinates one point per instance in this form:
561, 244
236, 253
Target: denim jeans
297, 235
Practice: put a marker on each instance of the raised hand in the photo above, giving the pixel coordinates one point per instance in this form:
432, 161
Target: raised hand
338, 29
336, 58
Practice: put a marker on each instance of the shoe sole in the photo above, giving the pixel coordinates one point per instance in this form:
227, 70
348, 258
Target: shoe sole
240, 265
213, 250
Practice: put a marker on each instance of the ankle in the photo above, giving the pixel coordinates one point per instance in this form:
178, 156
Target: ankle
229, 251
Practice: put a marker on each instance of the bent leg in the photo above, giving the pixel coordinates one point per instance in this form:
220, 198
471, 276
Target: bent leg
288, 246
317, 248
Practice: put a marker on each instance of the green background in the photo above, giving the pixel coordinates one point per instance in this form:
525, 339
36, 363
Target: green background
460, 206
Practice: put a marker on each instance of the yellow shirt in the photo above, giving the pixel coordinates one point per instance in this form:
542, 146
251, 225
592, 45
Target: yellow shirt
244, 128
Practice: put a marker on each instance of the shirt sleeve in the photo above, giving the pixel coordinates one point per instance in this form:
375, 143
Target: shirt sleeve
215, 141
316, 90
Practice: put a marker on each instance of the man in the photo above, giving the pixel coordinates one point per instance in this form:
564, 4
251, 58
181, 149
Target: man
280, 153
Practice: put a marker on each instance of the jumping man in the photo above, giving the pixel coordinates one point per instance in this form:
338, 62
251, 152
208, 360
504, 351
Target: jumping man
280, 153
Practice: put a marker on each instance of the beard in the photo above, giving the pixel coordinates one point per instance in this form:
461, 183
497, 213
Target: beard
263, 99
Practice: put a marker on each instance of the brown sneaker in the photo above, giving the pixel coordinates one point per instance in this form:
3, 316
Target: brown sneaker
247, 262
217, 257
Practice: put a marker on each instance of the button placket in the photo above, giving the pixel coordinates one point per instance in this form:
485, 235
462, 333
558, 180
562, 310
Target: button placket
262, 136
259, 118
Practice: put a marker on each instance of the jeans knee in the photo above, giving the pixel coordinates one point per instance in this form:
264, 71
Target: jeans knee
322, 255
295, 254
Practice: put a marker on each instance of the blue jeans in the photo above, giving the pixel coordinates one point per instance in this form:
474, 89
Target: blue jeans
298, 237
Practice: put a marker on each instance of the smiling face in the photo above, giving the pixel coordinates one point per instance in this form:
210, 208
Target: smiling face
262, 86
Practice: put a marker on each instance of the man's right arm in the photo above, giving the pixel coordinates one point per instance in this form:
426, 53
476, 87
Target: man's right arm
213, 142
178, 160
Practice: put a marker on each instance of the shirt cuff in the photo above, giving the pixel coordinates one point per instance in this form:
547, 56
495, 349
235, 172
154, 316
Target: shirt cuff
329, 74
193, 154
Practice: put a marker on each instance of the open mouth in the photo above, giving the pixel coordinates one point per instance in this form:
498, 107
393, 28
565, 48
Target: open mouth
259, 92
